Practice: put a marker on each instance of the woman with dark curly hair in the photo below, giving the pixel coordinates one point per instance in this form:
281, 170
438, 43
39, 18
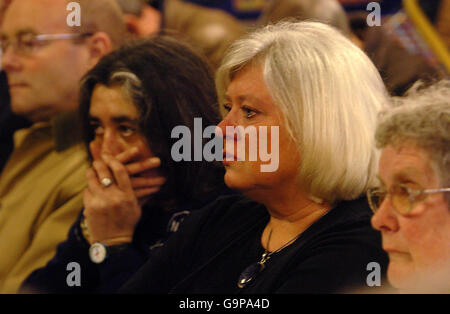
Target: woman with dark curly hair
130, 103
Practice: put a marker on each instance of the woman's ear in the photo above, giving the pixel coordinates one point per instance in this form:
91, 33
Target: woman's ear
99, 45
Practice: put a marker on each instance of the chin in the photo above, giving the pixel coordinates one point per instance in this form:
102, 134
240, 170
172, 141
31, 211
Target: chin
19, 105
401, 276
236, 181
231, 181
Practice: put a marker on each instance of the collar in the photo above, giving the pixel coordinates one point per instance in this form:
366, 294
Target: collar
67, 130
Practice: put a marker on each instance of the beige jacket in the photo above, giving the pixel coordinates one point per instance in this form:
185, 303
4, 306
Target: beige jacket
40, 197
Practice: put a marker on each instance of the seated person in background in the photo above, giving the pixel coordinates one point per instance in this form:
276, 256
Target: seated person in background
330, 12
211, 31
412, 205
400, 53
9, 122
141, 19
130, 103
314, 97
42, 182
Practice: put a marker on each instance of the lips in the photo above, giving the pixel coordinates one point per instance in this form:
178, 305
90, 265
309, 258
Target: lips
391, 250
17, 85
227, 158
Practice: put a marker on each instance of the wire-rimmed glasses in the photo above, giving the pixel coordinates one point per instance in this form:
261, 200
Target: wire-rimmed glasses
402, 196
27, 43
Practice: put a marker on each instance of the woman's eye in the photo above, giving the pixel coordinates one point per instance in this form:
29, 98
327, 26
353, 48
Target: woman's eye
126, 130
401, 190
249, 112
227, 107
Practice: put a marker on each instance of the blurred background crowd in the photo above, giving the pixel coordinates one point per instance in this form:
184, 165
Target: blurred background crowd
410, 44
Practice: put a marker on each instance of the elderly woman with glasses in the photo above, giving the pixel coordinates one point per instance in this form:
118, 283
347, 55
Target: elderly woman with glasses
312, 98
412, 205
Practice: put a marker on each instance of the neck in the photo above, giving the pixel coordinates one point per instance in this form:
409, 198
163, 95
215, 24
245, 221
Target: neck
291, 213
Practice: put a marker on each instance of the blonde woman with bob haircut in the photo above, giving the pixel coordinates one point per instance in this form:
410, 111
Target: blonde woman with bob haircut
305, 227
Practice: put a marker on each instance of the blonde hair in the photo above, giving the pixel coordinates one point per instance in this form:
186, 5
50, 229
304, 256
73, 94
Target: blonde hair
329, 93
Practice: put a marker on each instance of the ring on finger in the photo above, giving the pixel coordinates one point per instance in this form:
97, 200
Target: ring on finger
106, 182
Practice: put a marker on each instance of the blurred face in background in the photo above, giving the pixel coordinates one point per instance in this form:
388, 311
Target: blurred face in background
44, 80
418, 243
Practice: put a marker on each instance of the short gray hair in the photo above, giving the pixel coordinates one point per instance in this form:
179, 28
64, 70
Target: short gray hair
421, 118
329, 93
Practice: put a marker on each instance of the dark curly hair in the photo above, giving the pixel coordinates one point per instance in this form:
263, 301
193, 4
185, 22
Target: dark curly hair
170, 85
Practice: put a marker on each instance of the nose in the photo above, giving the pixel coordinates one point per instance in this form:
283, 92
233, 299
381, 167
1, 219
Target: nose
227, 122
385, 219
220, 130
10, 61
112, 143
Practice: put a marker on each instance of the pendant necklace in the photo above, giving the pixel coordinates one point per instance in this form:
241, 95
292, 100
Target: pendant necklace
254, 269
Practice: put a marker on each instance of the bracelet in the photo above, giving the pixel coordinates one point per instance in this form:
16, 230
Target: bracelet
112, 241
117, 241
84, 229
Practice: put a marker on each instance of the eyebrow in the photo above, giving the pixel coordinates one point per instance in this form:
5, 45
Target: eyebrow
118, 119
410, 174
26, 31
20, 32
406, 174
246, 97
23, 31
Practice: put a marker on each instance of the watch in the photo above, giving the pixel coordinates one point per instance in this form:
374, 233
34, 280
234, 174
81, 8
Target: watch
98, 252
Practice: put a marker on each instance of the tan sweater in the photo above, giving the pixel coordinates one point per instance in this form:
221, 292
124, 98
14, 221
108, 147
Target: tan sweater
40, 197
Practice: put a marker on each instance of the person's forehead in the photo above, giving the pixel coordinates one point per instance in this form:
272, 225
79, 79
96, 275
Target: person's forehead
111, 100
43, 16
248, 84
402, 161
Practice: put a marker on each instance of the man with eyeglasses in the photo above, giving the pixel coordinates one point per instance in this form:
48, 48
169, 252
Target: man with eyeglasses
412, 204
41, 184
9, 122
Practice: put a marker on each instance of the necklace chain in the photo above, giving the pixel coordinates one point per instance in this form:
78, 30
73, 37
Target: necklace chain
254, 269
266, 255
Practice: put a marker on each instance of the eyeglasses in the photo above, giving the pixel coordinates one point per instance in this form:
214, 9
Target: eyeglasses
402, 197
27, 43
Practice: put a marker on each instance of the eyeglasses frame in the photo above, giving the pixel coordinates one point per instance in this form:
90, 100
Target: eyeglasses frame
412, 196
44, 38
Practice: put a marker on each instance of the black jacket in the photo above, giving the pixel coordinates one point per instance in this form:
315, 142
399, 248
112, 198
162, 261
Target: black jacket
152, 229
214, 245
